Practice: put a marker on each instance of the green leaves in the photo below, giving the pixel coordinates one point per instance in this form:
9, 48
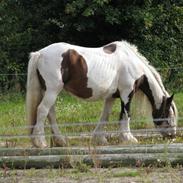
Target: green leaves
154, 26
112, 15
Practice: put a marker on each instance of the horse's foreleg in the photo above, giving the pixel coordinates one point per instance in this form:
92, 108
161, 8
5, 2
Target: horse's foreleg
38, 136
58, 139
98, 134
125, 134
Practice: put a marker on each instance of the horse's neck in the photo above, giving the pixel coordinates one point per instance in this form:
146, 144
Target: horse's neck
152, 90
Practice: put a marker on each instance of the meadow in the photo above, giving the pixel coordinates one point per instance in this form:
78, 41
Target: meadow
72, 111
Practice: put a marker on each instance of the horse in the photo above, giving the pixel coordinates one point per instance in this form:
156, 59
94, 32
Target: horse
115, 70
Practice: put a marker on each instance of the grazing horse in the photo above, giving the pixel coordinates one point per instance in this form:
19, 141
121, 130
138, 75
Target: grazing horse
116, 70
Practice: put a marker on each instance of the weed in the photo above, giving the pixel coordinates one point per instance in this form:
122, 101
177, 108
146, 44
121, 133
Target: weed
81, 167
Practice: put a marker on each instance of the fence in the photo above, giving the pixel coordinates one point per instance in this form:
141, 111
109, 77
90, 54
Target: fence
16, 150
172, 77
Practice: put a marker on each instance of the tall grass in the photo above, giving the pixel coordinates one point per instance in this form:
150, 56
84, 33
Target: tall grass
71, 110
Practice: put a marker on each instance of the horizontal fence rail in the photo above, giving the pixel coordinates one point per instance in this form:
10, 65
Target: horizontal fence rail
14, 156
77, 124
109, 156
136, 132
157, 68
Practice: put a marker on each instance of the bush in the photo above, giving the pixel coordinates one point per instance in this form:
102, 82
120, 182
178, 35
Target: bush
154, 26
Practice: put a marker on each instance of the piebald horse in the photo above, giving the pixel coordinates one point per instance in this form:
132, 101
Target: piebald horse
116, 70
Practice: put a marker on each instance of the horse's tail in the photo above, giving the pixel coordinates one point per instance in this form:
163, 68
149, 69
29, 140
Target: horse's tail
33, 95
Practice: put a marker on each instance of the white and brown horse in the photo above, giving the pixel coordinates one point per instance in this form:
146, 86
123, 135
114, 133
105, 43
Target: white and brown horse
116, 70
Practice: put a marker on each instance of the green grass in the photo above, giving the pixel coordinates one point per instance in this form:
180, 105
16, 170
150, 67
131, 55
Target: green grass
131, 173
179, 104
71, 110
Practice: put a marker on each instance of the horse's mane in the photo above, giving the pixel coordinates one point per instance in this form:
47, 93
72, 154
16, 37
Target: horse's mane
146, 62
152, 69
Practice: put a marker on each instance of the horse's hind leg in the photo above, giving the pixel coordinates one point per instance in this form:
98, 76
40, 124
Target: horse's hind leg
98, 135
38, 136
58, 139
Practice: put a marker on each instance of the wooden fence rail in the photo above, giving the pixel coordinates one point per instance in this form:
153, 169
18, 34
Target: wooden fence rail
106, 156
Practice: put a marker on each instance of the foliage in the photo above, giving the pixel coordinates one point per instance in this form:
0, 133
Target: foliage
155, 26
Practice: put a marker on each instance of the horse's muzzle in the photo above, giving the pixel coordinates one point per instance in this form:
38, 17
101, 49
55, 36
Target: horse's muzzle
169, 136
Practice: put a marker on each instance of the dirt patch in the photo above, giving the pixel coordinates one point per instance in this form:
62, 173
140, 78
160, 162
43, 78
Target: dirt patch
117, 175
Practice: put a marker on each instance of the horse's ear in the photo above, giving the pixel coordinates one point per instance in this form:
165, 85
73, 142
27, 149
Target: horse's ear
169, 101
171, 97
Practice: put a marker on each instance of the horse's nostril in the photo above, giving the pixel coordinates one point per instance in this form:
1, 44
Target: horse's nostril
169, 136
173, 136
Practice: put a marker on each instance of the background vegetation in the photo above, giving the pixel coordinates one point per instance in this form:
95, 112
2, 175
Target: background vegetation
155, 26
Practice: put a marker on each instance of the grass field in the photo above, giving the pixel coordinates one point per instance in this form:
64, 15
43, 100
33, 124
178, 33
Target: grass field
71, 110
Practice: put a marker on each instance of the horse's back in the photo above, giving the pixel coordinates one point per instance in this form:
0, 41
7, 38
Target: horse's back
94, 72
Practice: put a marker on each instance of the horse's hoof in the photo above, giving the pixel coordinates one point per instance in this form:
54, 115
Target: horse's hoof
98, 140
39, 143
59, 141
128, 138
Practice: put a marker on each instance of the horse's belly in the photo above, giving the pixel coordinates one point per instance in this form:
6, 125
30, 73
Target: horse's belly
93, 90
103, 84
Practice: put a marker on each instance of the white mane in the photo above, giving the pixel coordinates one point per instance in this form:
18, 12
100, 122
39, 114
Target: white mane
146, 62
152, 69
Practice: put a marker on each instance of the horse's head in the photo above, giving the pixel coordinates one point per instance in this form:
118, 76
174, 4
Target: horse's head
165, 117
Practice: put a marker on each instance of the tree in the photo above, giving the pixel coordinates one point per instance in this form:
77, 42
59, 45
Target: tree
154, 26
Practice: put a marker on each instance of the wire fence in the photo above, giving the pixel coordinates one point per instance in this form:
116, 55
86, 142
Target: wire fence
12, 122
172, 77
85, 129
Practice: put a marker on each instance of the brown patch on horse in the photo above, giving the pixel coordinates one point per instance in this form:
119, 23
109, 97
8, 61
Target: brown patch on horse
74, 73
111, 48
